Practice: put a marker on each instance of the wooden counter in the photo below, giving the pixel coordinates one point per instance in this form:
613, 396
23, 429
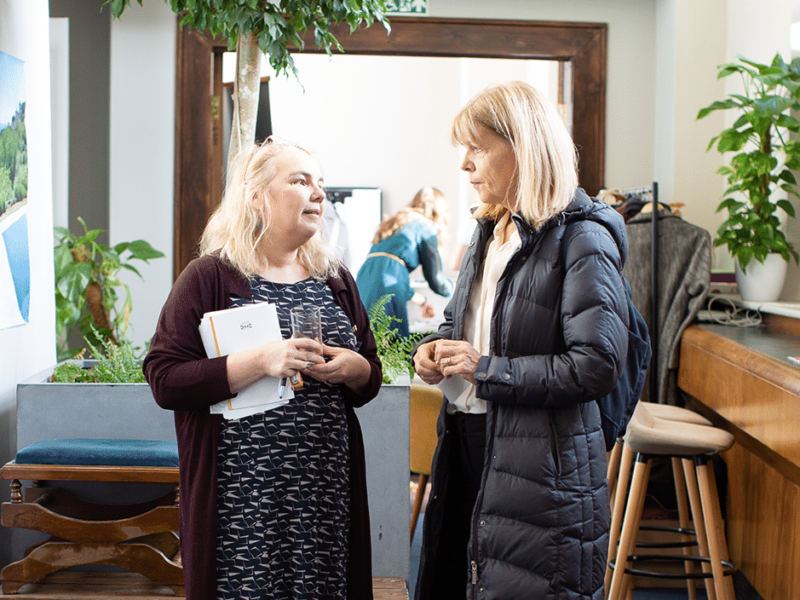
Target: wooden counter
740, 378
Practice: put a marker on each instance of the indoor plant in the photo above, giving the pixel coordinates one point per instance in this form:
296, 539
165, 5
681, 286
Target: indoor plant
91, 300
393, 350
760, 172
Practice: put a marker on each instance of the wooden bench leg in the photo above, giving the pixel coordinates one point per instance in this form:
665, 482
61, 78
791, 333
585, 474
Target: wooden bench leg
56, 555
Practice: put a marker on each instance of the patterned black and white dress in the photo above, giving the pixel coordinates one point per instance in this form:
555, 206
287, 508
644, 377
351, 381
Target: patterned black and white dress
283, 478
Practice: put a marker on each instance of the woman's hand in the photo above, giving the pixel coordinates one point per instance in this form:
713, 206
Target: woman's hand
425, 363
426, 311
455, 357
283, 358
343, 366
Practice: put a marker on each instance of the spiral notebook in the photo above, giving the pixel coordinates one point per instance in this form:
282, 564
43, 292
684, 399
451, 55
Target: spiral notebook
244, 328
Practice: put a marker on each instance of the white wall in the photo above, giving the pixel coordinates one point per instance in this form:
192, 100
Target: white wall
143, 151
29, 348
662, 59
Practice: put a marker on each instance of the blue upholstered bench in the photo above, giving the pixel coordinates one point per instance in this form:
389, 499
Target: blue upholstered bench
82, 451
140, 537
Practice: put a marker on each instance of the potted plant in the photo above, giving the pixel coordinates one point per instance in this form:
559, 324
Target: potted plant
91, 300
393, 349
759, 174
106, 396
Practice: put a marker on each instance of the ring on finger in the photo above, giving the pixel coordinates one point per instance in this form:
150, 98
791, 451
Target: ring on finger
446, 362
308, 365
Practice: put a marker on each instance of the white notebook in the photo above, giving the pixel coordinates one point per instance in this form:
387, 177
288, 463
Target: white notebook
244, 328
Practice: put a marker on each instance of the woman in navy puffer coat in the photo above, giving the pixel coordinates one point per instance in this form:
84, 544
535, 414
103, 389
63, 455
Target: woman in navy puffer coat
536, 331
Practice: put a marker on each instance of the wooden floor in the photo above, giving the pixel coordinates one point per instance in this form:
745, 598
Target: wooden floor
74, 585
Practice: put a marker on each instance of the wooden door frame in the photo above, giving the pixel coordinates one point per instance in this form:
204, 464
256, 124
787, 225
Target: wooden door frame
198, 130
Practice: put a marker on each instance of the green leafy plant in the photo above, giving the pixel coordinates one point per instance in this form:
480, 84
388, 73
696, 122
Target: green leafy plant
91, 299
394, 350
115, 363
765, 155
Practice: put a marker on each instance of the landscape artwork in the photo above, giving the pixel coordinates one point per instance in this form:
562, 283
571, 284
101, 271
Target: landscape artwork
15, 270
419, 7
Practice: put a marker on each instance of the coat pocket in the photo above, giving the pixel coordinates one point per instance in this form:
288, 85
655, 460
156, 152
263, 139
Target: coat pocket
554, 447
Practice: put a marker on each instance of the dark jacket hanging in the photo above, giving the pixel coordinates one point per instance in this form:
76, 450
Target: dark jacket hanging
684, 274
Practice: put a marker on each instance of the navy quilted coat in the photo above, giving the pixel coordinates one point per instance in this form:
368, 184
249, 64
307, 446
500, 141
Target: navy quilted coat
558, 342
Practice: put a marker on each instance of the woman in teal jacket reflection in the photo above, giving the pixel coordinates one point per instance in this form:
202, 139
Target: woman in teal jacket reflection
410, 238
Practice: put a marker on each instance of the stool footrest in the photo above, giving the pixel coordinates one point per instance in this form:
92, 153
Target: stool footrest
729, 569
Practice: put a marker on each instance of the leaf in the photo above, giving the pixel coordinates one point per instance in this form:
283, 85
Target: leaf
787, 207
718, 105
772, 105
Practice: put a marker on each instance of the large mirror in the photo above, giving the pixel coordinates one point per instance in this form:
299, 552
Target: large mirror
577, 49
383, 123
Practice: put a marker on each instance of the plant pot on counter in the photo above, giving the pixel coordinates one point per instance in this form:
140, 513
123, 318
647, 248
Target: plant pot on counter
762, 282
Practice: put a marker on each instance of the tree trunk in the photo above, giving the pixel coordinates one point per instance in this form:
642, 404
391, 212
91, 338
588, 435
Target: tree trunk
246, 91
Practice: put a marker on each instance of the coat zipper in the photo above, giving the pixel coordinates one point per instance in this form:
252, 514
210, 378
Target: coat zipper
478, 503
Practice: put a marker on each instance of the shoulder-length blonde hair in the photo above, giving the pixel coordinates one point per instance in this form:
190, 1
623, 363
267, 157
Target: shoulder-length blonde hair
546, 161
428, 202
245, 216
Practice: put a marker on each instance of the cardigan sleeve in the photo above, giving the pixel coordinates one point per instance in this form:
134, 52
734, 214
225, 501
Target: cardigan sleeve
346, 293
180, 375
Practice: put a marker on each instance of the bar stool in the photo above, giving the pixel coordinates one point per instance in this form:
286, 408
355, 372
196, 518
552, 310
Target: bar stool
619, 459
689, 445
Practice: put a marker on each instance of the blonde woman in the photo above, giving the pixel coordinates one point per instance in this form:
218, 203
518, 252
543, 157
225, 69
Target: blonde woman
536, 330
273, 505
404, 241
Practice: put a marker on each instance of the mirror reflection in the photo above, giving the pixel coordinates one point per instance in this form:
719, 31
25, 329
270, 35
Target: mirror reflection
383, 123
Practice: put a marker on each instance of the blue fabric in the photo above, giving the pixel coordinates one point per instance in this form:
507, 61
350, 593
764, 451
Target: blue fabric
118, 453
415, 243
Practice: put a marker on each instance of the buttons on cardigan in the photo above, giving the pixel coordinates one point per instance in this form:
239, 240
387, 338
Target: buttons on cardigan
481, 375
483, 522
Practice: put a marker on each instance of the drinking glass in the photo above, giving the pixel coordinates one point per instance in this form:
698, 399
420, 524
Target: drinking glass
306, 323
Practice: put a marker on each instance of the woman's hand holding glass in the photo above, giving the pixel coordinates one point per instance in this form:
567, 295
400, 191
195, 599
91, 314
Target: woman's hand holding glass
341, 366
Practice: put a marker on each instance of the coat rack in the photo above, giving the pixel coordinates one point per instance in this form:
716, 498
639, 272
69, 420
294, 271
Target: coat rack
650, 195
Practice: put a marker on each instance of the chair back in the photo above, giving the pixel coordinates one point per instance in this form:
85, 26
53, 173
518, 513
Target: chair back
426, 402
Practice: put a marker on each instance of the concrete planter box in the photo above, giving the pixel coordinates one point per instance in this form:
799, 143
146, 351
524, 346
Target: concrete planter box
384, 422
88, 410
128, 411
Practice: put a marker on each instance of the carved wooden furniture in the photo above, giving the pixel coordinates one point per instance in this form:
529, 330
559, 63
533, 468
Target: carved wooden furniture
140, 537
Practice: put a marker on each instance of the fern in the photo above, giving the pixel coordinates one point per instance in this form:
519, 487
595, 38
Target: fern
394, 350
116, 363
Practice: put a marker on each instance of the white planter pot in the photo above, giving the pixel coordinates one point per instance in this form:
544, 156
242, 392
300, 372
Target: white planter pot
762, 282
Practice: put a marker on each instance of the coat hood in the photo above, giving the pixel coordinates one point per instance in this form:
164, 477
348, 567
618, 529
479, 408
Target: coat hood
584, 207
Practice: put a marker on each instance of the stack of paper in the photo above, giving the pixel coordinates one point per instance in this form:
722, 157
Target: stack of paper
235, 330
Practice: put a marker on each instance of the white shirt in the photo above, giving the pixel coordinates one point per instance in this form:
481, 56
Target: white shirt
478, 320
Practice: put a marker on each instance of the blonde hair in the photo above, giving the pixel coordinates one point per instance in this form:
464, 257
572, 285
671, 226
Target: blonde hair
428, 202
546, 171
244, 217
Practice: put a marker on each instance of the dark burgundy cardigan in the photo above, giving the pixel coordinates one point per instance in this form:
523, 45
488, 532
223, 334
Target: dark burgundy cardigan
184, 380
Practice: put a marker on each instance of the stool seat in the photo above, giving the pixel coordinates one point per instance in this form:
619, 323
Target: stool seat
647, 434
676, 413
108, 452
